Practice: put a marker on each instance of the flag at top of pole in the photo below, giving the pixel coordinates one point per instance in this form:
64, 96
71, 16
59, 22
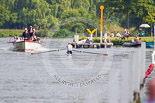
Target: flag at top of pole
101, 7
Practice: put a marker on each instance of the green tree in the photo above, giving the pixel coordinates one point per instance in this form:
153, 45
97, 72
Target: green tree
150, 18
129, 6
4, 13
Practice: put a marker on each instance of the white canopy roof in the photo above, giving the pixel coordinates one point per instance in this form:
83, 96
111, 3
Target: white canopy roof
144, 26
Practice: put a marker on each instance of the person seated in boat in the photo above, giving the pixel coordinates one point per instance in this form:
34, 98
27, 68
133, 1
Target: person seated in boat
69, 48
30, 31
26, 35
87, 41
38, 39
17, 39
138, 41
132, 41
34, 37
21, 39
136, 38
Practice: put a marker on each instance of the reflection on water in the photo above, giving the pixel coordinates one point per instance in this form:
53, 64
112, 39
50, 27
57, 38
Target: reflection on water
55, 77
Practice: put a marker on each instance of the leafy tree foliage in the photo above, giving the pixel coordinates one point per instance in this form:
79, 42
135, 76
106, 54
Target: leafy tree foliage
46, 13
139, 7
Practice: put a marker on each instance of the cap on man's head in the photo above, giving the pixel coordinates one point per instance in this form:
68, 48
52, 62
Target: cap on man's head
30, 26
33, 29
25, 28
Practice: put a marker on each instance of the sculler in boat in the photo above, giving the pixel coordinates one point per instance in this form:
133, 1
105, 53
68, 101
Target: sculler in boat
69, 48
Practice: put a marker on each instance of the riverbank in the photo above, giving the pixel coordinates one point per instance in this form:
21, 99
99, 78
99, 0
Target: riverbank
19, 32
117, 41
44, 32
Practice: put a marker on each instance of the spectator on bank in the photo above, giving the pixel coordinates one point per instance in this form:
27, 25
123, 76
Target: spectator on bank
118, 35
112, 34
142, 33
105, 38
126, 34
151, 92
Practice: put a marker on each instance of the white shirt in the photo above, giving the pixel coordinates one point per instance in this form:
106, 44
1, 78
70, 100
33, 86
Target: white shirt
69, 47
105, 35
118, 34
112, 34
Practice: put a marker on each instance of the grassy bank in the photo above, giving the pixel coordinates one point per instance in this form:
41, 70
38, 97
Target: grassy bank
10, 33
117, 41
19, 32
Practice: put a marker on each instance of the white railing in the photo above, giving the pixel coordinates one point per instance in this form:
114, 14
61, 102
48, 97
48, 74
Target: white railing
129, 77
153, 54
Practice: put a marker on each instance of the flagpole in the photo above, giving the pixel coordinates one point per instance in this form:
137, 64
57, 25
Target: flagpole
101, 7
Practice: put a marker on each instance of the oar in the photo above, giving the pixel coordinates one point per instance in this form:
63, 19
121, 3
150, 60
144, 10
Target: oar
90, 52
47, 51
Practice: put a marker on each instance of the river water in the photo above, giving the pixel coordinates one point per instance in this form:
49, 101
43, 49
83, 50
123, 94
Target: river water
55, 77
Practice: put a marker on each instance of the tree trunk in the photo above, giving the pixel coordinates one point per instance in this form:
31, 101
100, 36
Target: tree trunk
151, 29
127, 19
96, 33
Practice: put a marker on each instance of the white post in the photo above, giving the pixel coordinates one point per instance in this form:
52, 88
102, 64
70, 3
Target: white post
105, 39
91, 36
101, 37
153, 54
76, 38
154, 37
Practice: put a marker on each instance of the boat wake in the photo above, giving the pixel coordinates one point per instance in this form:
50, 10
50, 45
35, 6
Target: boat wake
7, 49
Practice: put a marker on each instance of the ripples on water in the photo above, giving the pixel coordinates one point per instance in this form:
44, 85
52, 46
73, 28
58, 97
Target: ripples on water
26, 78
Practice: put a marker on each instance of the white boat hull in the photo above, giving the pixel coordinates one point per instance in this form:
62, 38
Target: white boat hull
27, 45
